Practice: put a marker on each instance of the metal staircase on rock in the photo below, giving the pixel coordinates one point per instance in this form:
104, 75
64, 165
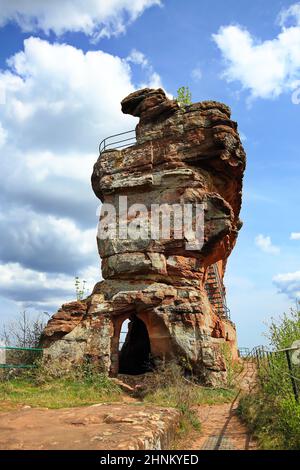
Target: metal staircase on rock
216, 292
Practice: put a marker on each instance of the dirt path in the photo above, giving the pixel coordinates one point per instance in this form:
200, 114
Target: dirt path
221, 429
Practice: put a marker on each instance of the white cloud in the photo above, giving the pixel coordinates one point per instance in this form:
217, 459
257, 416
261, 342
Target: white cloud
264, 243
197, 74
265, 68
60, 102
59, 98
45, 242
3, 136
292, 13
295, 236
31, 288
96, 18
138, 58
289, 284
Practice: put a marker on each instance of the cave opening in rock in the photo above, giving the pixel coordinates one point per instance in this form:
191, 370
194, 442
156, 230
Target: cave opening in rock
135, 353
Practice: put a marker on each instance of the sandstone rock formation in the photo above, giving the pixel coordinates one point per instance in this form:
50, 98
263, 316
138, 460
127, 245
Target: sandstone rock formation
172, 294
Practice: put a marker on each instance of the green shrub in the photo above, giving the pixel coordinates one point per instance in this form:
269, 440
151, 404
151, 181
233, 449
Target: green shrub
274, 423
273, 414
233, 368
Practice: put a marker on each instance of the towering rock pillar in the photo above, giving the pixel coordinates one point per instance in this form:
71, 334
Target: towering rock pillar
169, 287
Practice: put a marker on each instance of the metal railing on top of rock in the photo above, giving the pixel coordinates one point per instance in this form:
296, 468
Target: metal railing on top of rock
110, 143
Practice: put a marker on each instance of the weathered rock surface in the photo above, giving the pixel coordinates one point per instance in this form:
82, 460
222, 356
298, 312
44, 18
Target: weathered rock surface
64, 321
97, 427
182, 156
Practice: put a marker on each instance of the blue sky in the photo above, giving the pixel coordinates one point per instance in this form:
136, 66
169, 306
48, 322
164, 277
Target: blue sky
65, 66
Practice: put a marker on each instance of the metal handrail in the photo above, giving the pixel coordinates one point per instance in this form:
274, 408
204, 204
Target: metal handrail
261, 352
106, 145
221, 290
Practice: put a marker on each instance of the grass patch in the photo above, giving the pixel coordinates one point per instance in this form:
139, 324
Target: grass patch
59, 392
274, 423
168, 396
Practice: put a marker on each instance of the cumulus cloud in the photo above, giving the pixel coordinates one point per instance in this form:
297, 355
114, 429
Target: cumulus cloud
138, 58
265, 68
30, 288
290, 14
95, 18
45, 243
60, 99
59, 103
264, 243
289, 284
295, 236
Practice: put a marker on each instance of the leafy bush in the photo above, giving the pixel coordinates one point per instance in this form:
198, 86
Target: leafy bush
233, 368
275, 423
273, 414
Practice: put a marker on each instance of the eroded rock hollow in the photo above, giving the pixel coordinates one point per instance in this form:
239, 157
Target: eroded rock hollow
173, 295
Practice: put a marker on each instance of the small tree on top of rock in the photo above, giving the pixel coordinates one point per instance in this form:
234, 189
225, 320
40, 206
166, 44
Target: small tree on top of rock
184, 96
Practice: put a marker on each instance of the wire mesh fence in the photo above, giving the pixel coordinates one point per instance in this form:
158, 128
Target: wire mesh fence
19, 358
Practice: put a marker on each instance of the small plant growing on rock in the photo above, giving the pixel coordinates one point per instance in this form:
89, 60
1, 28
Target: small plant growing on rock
80, 288
184, 96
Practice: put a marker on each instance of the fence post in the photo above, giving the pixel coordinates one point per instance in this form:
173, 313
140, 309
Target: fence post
294, 385
257, 358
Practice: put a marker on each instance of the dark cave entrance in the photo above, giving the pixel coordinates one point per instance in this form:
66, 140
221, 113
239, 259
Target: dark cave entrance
135, 354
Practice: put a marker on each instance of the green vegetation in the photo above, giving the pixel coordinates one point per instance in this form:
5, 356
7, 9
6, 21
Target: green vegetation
169, 388
272, 414
233, 368
59, 393
39, 388
80, 288
275, 424
169, 396
184, 96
